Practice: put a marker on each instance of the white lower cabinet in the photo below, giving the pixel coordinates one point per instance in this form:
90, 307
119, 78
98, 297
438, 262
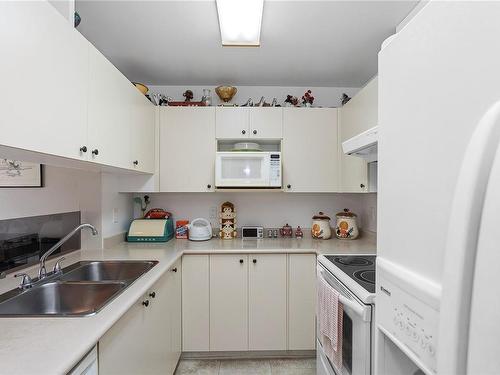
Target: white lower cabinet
142, 341
301, 301
240, 302
195, 303
229, 302
267, 302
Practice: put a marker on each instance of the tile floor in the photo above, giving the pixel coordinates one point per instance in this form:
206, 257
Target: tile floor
247, 367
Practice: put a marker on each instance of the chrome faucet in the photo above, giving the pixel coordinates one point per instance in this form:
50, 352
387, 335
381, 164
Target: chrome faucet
42, 271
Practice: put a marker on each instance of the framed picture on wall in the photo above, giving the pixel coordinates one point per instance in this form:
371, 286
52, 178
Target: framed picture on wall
20, 174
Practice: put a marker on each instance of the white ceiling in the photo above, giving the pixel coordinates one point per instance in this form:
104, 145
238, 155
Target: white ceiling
303, 43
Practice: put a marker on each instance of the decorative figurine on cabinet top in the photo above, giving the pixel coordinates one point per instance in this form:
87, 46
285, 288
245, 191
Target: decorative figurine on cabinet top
188, 94
227, 221
307, 99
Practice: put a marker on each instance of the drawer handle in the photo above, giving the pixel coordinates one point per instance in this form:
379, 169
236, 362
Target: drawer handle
241, 261
254, 261
174, 269
243, 132
145, 303
255, 132
136, 162
95, 152
209, 186
83, 149
288, 186
362, 186
152, 294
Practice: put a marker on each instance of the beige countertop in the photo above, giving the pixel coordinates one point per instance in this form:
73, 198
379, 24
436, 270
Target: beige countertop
54, 345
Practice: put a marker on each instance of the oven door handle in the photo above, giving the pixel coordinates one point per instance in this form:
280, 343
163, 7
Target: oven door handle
356, 307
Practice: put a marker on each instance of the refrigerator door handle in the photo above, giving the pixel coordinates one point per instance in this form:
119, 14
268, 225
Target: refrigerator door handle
461, 244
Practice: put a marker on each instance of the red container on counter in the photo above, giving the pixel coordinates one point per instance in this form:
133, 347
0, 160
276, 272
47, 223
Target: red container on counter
181, 229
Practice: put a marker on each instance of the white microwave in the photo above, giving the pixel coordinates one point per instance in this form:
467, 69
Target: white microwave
242, 169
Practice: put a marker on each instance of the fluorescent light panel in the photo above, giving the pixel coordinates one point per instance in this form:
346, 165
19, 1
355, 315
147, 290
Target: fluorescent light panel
240, 22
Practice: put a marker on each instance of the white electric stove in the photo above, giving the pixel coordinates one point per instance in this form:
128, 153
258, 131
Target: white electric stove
353, 276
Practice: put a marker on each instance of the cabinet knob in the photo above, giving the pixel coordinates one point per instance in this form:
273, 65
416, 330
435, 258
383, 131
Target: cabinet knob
255, 132
288, 186
174, 269
152, 295
95, 152
83, 149
241, 261
136, 162
209, 186
243, 132
254, 261
362, 186
145, 303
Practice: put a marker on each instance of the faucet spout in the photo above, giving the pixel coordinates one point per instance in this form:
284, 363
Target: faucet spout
42, 271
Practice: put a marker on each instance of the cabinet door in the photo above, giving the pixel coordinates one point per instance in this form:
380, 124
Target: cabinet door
228, 302
266, 123
232, 122
109, 114
123, 349
44, 65
301, 301
310, 150
175, 311
358, 115
267, 302
187, 149
195, 303
142, 134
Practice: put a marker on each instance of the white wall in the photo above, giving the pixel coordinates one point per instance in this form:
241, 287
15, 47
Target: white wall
268, 209
324, 96
66, 190
117, 208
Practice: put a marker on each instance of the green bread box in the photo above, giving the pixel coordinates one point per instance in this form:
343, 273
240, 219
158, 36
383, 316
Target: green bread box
151, 230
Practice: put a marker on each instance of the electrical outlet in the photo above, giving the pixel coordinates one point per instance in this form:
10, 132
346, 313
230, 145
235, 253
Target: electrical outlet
212, 212
115, 215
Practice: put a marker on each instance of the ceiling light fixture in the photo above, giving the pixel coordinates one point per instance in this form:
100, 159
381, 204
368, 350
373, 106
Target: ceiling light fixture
240, 22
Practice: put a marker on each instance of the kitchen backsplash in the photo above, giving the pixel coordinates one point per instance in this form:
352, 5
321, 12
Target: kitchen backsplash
267, 209
24, 240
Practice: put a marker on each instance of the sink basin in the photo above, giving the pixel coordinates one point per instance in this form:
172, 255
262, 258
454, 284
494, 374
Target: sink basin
62, 299
107, 270
82, 289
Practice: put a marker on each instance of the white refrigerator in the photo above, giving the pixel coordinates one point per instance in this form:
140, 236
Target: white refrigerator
437, 308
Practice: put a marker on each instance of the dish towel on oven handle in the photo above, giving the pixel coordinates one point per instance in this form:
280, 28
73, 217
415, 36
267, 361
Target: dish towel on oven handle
330, 316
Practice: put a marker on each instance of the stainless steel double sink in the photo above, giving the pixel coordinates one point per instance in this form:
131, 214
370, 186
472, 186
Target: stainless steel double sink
82, 289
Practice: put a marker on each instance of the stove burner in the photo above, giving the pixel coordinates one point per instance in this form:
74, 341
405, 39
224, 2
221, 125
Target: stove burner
367, 276
353, 261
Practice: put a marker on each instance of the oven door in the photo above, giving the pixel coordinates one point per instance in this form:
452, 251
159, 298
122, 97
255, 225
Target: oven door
242, 169
356, 335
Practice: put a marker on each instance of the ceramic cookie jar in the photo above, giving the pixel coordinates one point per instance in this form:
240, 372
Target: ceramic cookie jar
321, 227
347, 226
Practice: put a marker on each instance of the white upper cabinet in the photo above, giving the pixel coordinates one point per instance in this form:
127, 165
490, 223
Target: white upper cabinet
232, 122
310, 150
109, 120
358, 115
44, 69
187, 149
249, 122
142, 133
266, 123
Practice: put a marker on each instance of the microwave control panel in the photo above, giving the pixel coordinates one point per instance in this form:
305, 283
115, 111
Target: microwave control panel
409, 322
275, 169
